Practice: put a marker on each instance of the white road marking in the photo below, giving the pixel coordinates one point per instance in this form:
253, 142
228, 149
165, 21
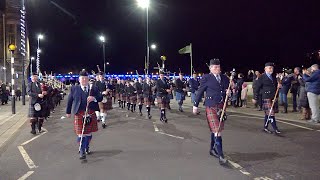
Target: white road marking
318, 130
170, 135
241, 169
155, 127
62, 117
8, 119
277, 121
27, 158
29, 173
262, 178
45, 131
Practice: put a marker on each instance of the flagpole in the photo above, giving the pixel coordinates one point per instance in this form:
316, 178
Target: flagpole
191, 59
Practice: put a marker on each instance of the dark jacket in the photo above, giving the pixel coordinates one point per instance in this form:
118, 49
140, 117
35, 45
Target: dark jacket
215, 91
33, 91
162, 87
180, 86
101, 86
147, 90
138, 87
286, 84
193, 85
131, 91
74, 99
266, 86
314, 82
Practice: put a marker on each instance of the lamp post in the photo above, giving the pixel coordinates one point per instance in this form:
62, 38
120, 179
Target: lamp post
144, 4
31, 65
40, 36
103, 41
12, 48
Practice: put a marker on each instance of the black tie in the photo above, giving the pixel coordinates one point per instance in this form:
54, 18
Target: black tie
85, 89
218, 78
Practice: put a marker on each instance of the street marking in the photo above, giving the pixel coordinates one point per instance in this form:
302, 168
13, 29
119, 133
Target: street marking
29, 173
8, 119
318, 130
262, 178
277, 121
62, 117
237, 166
27, 158
155, 127
170, 135
296, 125
34, 137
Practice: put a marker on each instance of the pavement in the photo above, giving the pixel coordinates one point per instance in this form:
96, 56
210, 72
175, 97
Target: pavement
135, 148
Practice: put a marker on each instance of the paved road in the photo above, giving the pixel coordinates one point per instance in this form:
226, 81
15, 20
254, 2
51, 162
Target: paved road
139, 149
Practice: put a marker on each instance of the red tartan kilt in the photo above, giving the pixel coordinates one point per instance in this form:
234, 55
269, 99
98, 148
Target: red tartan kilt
162, 102
140, 98
89, 128
123, 97
133, 99
212, 119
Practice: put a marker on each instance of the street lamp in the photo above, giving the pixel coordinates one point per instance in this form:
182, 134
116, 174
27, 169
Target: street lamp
153, 46
103, 41
31, 63
144, 4
40, 36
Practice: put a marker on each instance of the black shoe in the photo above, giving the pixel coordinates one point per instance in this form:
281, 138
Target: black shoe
214, 153
294, 110
140, 113
88, 152
41, 131
33, 132
266, 130
161, 119
222, 161
277, 132
83, 157
180, 110
104, 125
149, 116
165, 120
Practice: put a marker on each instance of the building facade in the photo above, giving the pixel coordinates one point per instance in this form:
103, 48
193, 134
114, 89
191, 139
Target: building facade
13, 31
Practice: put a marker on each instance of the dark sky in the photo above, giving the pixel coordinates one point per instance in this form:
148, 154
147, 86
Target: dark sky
242, 33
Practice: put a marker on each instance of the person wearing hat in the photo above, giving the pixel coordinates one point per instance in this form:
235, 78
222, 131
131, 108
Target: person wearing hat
84, 98
194, 86
147, 94
163, 89
180, 91
123, 94
140, 98
215, 85
131, 96
267, 85
36, 99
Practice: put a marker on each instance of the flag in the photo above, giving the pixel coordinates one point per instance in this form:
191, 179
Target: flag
185, 50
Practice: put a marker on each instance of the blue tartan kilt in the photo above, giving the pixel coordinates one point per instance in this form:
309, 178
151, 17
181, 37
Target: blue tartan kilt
180, 96
267, 103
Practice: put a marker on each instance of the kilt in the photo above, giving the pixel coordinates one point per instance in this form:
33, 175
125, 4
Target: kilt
113, 93
118, 96
267, 103
33, 113
128, 99
213, 120
123, 97
147, 101
107, 105
162, 101
89, 128
140, 98
133, 99
180, 96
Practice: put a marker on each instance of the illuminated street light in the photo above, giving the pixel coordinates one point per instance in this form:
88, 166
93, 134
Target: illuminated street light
143, 3
153, 46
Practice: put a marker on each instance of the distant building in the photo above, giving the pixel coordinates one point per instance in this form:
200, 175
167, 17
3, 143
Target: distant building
11, 33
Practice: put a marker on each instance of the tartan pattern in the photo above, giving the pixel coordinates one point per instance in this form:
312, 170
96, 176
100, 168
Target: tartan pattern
123, 97
147, 101
133, 99
89, 128
267, 103
162, 102
212, 119
180, 96
33, 113
140, 99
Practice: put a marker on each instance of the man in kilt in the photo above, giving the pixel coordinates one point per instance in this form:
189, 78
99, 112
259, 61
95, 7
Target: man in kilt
163, 89
117, 87
147, 95
123, 94
267, 85
36, 111
131, 96
215, 85
140, 98
84, 98
180, 91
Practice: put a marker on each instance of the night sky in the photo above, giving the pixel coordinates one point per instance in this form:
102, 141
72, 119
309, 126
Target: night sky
244, 34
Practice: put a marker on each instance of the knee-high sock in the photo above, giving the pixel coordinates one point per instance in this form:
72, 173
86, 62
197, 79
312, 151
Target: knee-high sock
273, 122
98, 114
219, 146
162, 113
40, 123
140, 108
104, 117
134, 107
83, 144
213, 141
266, 121
128, 106
148, 110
